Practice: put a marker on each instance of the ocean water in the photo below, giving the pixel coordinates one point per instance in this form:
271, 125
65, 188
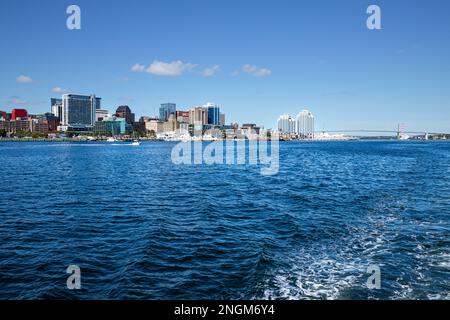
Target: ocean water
141, 227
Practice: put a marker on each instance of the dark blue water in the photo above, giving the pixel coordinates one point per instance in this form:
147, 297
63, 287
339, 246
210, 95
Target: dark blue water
141, 227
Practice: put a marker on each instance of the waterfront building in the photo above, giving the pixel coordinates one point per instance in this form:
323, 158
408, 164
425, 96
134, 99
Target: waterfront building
305, 125
171, 124
16, 126
34, 124
250, 128
19, 114
221, 119
101, 114
213, 114
138, 126
4, 116
112, 126
154, 125
38, 125
125, 113
230, 133
78, 112
4, 125
166, 110
184, 129
52, 122
286, 125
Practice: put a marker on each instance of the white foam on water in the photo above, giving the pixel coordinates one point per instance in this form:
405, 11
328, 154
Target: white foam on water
317, 276
330, 270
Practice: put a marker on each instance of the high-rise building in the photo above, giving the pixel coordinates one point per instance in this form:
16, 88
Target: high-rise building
78, 112
305, 125
222, 119
166, 110
56, 107
17, 114
125, 113
213, 114
286, 124
98, 103
198, 116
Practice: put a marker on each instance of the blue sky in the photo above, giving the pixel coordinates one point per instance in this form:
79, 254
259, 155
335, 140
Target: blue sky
317, 55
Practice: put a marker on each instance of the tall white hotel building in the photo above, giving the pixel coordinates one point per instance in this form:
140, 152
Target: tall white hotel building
305, 125
286, 124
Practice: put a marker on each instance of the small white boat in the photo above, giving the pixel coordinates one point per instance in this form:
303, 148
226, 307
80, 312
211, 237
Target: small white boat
136, 143
111, 139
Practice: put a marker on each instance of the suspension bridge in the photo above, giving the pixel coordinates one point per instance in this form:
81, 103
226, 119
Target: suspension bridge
401, 131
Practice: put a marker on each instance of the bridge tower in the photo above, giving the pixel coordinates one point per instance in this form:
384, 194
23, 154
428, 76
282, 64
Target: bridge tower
400, 130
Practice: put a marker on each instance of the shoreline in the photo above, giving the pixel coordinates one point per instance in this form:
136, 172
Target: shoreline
161, 140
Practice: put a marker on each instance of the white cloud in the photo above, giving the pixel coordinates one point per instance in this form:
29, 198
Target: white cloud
209, 72
175, 68
24, 79
159, 68
59, 90
138, 68
256, 71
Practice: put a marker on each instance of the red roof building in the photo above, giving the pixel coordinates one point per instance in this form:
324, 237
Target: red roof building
18, 113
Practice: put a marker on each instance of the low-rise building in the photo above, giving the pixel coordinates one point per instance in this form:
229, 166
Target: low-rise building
182, 116
38, 125
4, 116
101, 114
171, 124
112, 126
18, 126
19, 114
154, 125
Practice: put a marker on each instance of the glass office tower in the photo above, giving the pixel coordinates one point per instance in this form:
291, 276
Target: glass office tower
166, 110
213, 114
78, 111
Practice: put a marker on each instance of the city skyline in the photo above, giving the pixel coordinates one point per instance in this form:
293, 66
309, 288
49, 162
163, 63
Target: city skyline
224, 158
286, 57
